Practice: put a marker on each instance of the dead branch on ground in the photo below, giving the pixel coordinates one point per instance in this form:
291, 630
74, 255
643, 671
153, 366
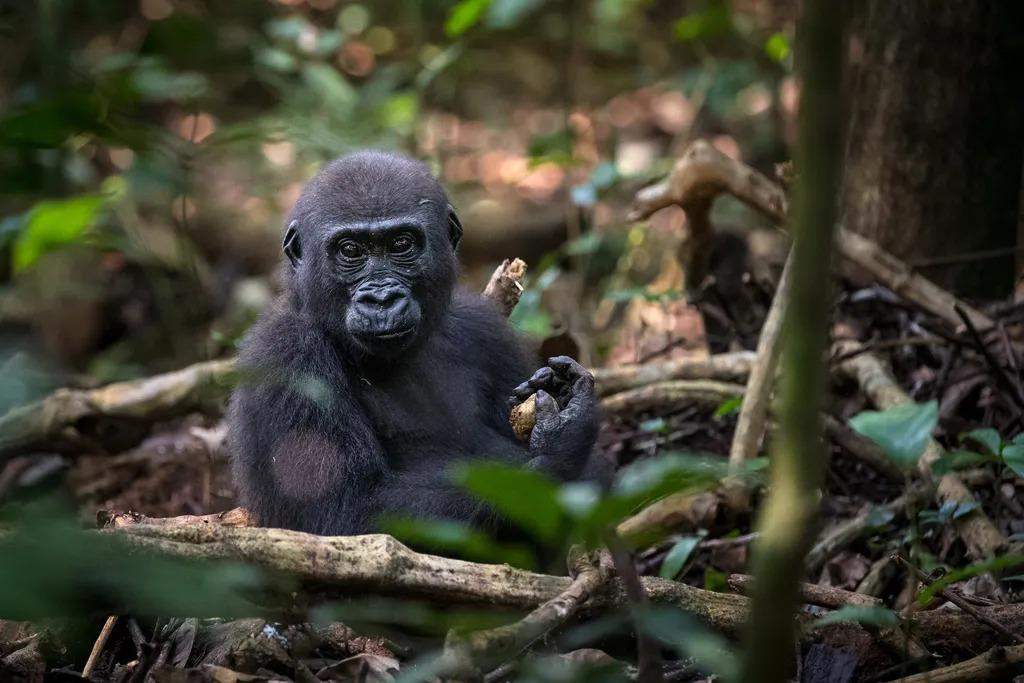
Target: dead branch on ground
825, 596
482, 651
989, 666
978, 532
378, 564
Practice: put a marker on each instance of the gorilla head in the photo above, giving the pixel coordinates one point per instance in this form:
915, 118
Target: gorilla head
372, 248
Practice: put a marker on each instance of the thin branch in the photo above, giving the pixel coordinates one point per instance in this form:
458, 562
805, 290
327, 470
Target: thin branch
754, 412
999, 663
954, 597
825, 596
483, 651
97, 648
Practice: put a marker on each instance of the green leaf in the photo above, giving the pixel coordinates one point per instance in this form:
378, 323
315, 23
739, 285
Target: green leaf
879, 617
996, 564
526, 497
729, 406
902, 431
464, 16
958, 460
987, 437
716, 581
52, 224
1013, 456
777, 47
711, 22
667, 474
677, 557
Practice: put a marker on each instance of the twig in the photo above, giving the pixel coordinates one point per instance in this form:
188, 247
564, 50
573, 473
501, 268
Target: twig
989, 666
954, 597
506, 284
233, 517
825, 596
994, 365
486, 650
97, 648
900, 278
845, 533
670, 393
754, 410
647, 650
723, 367
198, 387
863, 449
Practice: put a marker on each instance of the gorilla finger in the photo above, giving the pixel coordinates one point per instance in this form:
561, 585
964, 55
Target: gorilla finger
542, 378
547, 408
570, 369
523, 391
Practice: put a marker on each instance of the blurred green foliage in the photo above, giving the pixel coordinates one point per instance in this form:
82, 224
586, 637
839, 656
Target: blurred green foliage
50, 567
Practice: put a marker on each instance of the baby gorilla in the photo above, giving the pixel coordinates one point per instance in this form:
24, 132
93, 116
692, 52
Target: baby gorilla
370, 376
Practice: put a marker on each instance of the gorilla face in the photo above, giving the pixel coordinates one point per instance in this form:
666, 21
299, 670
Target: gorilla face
382, 238
382, 264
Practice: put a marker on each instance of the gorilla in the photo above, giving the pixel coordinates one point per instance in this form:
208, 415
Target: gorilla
372, 374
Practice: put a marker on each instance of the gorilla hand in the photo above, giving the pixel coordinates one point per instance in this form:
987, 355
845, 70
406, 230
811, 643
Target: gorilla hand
566, 416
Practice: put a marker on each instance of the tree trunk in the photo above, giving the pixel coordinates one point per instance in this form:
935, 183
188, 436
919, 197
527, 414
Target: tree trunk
936, 135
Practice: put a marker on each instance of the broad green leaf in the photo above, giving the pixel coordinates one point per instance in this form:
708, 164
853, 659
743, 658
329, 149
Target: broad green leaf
860, 614
668, 473
986, 436
464, 16
527, 498
677, 557
1013, 456
958, 460
52, 224
902, 431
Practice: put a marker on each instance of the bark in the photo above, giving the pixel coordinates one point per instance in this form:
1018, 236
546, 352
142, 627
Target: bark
936, 133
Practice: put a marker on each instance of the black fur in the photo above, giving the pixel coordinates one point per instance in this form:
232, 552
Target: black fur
371, 375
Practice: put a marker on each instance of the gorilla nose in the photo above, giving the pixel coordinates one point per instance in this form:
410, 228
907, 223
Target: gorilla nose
384, 295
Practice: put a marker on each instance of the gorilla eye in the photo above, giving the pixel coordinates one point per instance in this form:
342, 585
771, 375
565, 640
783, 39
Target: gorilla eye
402, 244
349, 249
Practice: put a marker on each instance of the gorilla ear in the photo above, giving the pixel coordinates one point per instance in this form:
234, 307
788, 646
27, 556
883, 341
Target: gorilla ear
292, 244
454, 226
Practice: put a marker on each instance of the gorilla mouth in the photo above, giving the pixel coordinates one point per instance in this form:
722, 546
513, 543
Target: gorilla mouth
397, 334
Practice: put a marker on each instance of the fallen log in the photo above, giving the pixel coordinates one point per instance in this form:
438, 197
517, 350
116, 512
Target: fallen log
379, 565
